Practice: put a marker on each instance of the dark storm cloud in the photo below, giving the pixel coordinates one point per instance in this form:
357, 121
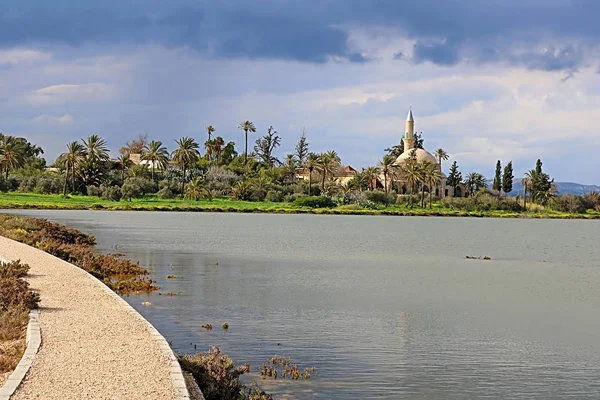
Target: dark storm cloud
446, 31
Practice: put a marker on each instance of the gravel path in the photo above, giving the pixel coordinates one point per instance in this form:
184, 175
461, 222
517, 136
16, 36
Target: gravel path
92, 348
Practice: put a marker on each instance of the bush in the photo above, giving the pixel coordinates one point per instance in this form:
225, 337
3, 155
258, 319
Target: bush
407, 199
165, 193
13, 269
315, 202
482, 202
219, 378
290, 198
569, 203
274, 196
112, 193
93, 190
379, 197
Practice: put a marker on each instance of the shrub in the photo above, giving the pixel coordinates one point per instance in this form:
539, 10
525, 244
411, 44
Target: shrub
93, 190
13, 269
290, 198
408, 199
112, 193
274, 196
315, 202
569, 203
219, 377
165, 193
482, 202
242, 190
379, 197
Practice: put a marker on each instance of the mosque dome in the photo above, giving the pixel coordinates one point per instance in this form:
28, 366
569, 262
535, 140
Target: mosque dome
422, 155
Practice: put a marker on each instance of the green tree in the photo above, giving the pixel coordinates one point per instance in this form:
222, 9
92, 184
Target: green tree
507, 178
328, 164
70, 159
124, 162
371, 173
289, 168
433, 177
475, 182
454, 177
526, 182
156, 155
210, 130
228, 153
247, 126
265, 147
387, 170
312, 162
398, 149
497, 185
441, 155
185, 154
12, 154
541, 186
302, 148
197, 189
410, 171
93, 167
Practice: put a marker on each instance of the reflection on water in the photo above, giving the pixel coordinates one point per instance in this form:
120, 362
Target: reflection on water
383, 307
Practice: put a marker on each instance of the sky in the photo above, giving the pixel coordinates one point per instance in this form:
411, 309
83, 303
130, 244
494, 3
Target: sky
486, 80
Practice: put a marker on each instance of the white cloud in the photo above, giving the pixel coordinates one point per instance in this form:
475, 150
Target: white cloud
49, 119
64, 93
17, 56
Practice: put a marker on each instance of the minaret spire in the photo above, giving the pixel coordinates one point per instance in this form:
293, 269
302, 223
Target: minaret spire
409, 134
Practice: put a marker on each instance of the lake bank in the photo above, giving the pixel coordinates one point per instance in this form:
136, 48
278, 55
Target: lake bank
26, 201
105, 353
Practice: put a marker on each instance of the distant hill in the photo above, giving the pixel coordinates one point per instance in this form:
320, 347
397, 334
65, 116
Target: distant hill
562, 187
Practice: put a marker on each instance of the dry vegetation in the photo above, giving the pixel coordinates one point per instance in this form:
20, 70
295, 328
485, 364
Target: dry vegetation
77, 248
16, 300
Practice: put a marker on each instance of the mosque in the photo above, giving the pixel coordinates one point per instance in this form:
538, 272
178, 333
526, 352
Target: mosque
421, 155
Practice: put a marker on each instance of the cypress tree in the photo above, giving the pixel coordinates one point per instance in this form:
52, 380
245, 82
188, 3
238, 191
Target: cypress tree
497, 185
454, 177
507, 178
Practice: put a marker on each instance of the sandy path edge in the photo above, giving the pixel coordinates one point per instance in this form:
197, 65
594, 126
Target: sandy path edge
94, 344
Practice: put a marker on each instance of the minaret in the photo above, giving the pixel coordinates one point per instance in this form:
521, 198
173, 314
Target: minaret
409, 136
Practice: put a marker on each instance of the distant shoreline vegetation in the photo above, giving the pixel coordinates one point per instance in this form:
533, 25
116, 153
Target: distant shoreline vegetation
481, 206
146, 176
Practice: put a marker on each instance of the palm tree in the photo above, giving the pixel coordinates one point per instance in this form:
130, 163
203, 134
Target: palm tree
411, 172
441, 155
12, 154
328, 164
290, 167
386, 168
433, 177
474, 182
247, 126
124, 162
310, 164
196, 190
95, 148
371, 174
185, 154
71, 158
210, 130
526, 181
156, 154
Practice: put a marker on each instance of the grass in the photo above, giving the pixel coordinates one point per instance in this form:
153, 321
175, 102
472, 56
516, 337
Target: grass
15, 200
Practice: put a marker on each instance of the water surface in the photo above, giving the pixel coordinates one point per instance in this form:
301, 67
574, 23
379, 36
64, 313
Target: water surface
383, 307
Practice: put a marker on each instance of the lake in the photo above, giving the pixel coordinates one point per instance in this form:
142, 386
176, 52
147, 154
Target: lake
383, 307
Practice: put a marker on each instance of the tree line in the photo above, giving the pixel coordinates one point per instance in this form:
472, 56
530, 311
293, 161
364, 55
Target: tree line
257, 174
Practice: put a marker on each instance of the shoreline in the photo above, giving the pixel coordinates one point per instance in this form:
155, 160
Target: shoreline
315, 211
133, 358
